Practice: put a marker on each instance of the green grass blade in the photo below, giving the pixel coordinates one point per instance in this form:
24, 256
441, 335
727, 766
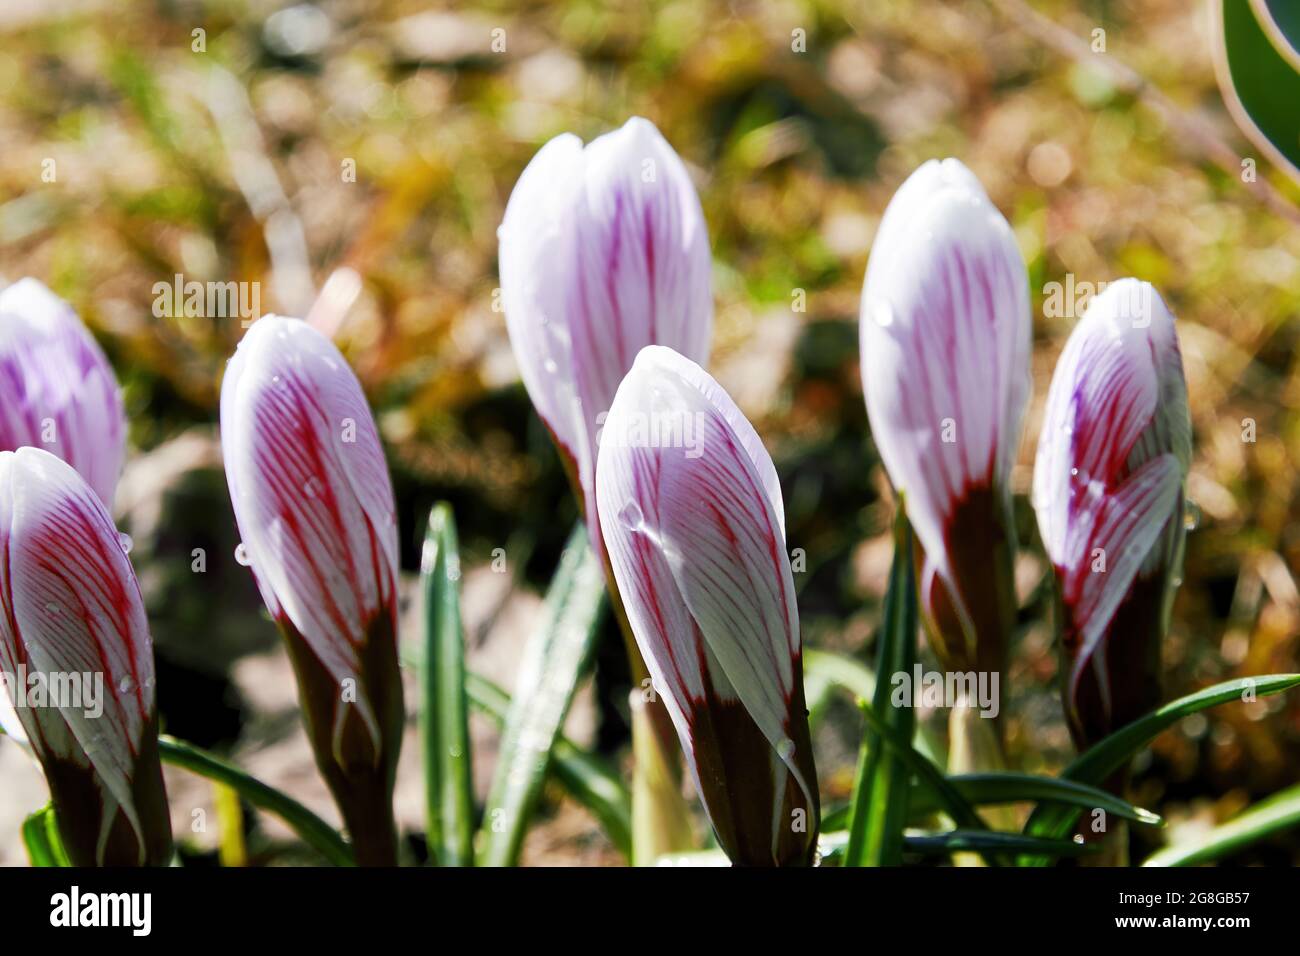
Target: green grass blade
41, 837
930, 776
554, 660
586, 777
980, 789
1107, 756
880, 790
444, 710
831, 845
314, 831
1277, 813
824, 670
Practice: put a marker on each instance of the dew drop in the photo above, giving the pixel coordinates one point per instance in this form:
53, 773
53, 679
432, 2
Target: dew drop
631, 517
53, 608
1074, 472
125, 541
1192, 516
883, 314
241, 555
550, 366
125, 685
785, 749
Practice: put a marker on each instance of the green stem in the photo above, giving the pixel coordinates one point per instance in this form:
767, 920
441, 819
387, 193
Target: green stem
314, 831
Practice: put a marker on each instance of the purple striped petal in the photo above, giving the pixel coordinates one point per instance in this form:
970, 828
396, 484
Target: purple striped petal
57, 390
311, 492
691, 513
70, 607
603, 251
945, 369
1108, 480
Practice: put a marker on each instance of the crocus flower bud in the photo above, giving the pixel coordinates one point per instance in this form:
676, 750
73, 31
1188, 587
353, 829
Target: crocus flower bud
57, 390
603, 250
945, 367
77, 663
314, 503
694, 526
1108, 491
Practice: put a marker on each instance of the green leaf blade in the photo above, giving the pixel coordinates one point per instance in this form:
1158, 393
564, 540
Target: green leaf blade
982, 789
880, 790
1108, 755
313, 831
444, 707
555, 658
587, 778
41, 837
1277, 813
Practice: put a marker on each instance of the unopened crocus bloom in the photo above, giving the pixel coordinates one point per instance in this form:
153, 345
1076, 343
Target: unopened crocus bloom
57, 390
314, 504
693, 521
1108, 491
78, 662
603, 250
945, 331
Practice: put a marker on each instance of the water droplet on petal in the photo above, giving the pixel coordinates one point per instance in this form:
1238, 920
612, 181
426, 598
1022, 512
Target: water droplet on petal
241, 555
53, 608
1074, 472
125, 541
785, 749
125, 685
631, 517
1192, 516
883, 314
550, 366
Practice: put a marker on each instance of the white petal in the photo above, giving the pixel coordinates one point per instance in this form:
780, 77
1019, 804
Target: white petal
945, 330
57, 390
707, 508
604, 250
72, 608
310, 488
1117, 400
538, 248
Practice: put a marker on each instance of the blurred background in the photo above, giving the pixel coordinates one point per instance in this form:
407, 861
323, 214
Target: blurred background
377, 142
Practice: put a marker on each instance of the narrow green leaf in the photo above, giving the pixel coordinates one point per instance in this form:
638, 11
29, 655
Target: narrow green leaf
831, 846
823, 670
555, 658
41, 837
444, 710
980, 789
1277, 813
930, 776
586, 777
1104, 758
880, 790
314, 831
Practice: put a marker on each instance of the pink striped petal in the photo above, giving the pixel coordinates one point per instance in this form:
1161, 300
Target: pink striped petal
57, 390
691, 513
945, 331
311, 491
604, 250
1113, 455
70, 605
